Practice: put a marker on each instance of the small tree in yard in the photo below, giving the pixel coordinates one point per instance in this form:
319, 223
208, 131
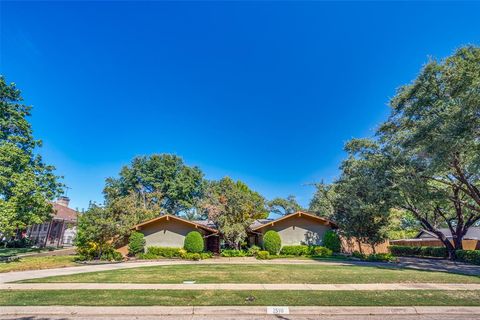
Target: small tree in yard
194, 242
136, 243
331, 240
272, 242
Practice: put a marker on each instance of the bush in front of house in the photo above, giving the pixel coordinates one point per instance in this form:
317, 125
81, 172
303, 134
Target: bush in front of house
272, 242
233, 253
253, 251
331, 240
469, 256
93, 251
263, 255
320, 251
136, 243
194, 242
440, 252
382, 257
163, 252
299, 250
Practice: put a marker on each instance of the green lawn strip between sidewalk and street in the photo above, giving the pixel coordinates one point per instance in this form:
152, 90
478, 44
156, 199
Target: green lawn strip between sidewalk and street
237, 298
285, 273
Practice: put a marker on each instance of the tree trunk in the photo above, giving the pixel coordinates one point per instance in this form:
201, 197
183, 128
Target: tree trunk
360, 246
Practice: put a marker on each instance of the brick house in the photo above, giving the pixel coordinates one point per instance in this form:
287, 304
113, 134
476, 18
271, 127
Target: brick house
60, 230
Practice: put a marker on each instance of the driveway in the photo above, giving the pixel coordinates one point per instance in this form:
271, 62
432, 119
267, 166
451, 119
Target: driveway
414, 263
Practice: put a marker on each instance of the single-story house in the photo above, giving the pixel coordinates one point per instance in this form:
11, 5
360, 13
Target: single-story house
294, 229
170, 231
471, 240
473, 233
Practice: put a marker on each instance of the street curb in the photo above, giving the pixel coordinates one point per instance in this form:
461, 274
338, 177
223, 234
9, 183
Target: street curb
229, 310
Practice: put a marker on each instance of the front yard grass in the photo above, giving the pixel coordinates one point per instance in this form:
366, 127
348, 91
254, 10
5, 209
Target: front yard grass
7, 252
37, 263
236, 298
278, 273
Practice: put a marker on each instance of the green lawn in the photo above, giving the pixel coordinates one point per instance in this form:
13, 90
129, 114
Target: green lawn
37, 263
7, 252
238, 298
221, 273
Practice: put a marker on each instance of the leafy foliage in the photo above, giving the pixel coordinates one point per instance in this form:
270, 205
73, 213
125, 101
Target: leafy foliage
331, 240
27, 184
136, 243
272, 242
194, 242
162, 180
424, 251
469, 256
284, 206
233, 206
322, 203
263, 255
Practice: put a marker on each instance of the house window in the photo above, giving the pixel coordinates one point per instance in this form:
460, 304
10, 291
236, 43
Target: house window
45, 226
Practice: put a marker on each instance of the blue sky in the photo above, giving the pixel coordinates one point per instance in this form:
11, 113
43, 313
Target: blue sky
263, 92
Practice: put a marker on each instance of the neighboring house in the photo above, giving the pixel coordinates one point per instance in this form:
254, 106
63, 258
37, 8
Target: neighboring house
294, 229
58, 232
473, 233
471, 241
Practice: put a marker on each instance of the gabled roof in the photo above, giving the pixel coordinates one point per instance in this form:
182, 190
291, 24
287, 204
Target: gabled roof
324, 221
168, 217
472, 233
64, 213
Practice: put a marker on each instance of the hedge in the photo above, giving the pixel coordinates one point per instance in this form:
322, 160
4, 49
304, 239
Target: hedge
469, 256
194, 242
233, 253
272, 242
331, 240
300, 250
419, 251
164, 252
136, 243
263, 255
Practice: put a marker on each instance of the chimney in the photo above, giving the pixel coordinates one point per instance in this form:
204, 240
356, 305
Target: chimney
63, 201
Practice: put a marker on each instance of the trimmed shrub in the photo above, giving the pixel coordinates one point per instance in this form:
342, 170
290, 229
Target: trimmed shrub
263, 255
322, 252
194, 242
331, 240
253, 251
380, 257
164, 252
233, 253
136, 243
469, 256
300, 250
272, 242
358, 255
440, 252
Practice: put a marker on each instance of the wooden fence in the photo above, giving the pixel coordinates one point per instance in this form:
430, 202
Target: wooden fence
351, 245
467, 244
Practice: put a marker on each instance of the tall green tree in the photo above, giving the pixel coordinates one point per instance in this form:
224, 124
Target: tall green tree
363, 194
27, 184
284, 206
434, 126
322, 203
233, 206
162, 179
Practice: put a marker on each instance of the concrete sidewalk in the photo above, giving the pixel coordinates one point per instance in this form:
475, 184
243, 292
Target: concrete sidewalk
231, 310
240, 286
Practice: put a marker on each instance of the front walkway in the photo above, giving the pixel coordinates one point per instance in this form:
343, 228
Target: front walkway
241, 286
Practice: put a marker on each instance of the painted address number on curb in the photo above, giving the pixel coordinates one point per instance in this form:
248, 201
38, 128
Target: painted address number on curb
278, 310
